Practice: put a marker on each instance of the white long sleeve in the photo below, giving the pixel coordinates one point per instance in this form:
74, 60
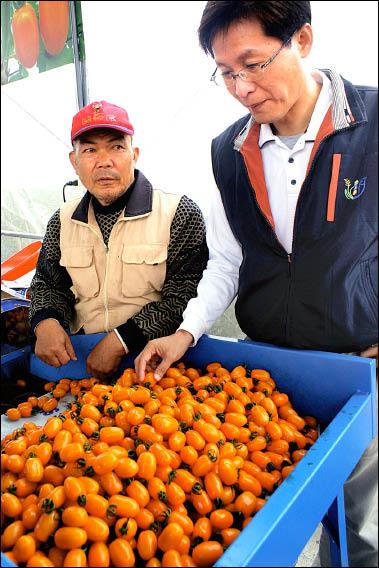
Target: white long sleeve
219, 284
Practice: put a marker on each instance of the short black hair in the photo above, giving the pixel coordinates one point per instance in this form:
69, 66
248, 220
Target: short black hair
278, 18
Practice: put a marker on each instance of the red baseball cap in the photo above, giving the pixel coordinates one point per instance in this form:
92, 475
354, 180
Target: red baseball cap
101, 115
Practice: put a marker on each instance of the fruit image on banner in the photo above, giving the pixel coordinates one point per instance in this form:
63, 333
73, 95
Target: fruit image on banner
53, 18
26, 35
36, 36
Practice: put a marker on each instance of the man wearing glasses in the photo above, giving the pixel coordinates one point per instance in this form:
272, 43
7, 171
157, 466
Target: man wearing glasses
292, 231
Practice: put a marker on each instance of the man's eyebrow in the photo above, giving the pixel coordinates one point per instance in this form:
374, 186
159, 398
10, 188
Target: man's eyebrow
247, 53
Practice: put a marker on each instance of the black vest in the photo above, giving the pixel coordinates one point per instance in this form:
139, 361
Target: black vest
324, 296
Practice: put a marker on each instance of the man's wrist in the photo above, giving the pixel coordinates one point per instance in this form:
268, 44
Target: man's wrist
42, 321
116, 332
186, 335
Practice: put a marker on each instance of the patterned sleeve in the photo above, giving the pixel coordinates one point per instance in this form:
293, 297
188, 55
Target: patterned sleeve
50, 292
186, 261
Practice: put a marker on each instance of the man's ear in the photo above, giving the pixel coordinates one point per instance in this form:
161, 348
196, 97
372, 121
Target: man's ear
135, 153
304, 38
73, 160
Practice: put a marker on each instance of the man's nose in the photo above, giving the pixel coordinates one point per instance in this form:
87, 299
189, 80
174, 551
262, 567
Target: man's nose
104, 159
243, 88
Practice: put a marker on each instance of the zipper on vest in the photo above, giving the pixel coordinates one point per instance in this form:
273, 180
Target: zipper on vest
106, 326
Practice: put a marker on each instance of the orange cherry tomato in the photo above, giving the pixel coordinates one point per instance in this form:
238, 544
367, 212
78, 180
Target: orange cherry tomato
183, 520
227, 471
30, 516
73, 487
46, 525
52, 427
111, 483
221, 519
111, 434
16, 446
11, 505
72, 452
75, 557
147, 465
53, 474
24, 548
246, 503
97, 529
74, 516
98, 555
147, 544
177, 441
124, 506
70, 537
201, 501
121, 553
138, 492
207, 553
96, 505
126, 528
126, 468
170, 537
189, 455
175, 494
144, 518
105, 462
13, 414
33, 469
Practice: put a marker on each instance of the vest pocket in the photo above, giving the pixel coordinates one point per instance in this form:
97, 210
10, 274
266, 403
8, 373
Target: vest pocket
144, 269
80, 265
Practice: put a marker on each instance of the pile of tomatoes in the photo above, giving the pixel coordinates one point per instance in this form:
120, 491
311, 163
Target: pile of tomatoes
151, 474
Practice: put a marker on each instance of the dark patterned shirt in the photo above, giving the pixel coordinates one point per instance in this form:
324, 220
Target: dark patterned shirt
187, 258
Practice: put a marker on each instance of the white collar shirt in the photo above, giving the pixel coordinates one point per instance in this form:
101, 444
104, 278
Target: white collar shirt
285, 168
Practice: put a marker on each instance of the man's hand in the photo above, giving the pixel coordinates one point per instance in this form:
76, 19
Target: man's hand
105, 358
371, 352
53, 345
168, 349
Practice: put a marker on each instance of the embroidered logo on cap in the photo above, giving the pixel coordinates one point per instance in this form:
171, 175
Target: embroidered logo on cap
355, 190
97, 106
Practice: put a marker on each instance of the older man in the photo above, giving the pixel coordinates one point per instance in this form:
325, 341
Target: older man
125, 259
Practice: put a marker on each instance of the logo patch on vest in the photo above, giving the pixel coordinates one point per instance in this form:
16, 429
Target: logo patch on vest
355, 189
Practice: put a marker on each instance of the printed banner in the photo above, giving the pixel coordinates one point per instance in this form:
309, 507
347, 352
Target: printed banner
36, 36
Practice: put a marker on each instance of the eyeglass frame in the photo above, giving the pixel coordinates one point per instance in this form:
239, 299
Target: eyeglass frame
262, 66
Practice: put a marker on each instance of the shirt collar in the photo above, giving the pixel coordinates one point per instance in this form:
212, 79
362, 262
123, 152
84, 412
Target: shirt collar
323, 103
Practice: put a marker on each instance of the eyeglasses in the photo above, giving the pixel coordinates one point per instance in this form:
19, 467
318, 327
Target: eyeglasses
248, 74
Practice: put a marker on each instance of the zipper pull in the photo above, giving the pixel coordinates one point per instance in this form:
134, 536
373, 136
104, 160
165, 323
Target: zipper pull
289, 258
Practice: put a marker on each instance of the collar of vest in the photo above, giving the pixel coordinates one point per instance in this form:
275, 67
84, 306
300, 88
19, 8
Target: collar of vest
347, 108
140, 202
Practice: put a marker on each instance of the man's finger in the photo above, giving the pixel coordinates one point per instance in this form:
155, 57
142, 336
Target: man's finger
70, 350
162, 368
142, 360
63, 357
51, 360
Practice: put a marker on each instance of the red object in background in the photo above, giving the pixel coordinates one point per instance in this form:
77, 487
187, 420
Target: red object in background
26, 35
53, 20
21, 263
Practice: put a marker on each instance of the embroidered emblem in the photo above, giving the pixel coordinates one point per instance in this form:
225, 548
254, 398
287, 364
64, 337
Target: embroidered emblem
96, 107
355, 190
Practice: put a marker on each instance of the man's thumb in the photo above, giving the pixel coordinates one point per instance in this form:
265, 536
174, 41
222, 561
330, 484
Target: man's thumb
161, 369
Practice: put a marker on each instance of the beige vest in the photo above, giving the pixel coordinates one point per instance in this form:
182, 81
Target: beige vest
111, 284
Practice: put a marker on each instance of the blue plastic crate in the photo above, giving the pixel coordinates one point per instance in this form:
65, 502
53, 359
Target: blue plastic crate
338, 389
